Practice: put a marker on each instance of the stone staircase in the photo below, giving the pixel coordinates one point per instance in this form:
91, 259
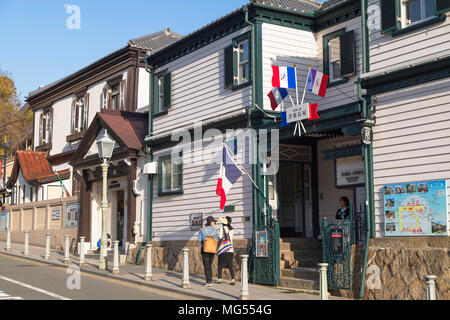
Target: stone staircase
299, 259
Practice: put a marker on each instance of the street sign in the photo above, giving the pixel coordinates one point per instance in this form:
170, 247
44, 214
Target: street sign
297, 113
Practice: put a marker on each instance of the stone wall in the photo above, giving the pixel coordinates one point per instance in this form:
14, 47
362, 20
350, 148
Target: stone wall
396, 268
167, 255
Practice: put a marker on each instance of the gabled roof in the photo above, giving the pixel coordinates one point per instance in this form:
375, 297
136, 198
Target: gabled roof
128, 129
152, 42
35, 168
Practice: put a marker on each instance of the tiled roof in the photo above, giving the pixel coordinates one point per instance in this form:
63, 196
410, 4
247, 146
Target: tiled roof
330, 4
35, 167
296, 5
155, 41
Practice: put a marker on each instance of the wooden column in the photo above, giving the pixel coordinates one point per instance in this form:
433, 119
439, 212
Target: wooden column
131, 207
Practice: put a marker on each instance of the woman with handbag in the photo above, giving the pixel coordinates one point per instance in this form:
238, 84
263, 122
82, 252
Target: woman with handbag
225, 249
208, 238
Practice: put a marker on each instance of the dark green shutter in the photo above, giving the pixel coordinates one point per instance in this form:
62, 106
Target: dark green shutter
388, 15
228, 66
167, 83
442, 6
347, 54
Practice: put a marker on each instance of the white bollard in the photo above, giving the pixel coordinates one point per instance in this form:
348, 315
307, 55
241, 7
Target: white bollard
26, 250
244, 295
8, 240
185, 281
82, 250
66, 249
148, 266
431, 290
47, 246
116, 257
323, 281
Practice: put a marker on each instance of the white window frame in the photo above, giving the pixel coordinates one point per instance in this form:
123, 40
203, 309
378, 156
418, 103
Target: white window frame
80, 108
47, 115
114, 95
404, 20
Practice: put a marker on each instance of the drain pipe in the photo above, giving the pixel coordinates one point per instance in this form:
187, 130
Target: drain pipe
149, 152
365, 113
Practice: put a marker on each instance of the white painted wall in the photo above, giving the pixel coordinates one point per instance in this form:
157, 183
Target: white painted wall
411, 138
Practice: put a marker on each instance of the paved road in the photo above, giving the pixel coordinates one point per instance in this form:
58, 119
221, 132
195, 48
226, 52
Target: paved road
22, 279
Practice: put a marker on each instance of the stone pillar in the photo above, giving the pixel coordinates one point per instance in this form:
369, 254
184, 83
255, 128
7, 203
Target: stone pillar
66, 249
431, 292
47, 246
116, 257
8, 240
148, 266
185, 282
26, 250
82, 250
244, 295
323, 281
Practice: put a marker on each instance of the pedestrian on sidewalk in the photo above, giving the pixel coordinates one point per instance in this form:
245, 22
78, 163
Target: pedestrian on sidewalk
225, 249
344, 211
208, 237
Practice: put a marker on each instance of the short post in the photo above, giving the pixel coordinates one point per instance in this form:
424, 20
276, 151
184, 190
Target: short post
66, 249
8, 240
431, 292
26, 250
244, 295
116, 257
82, 250
148, 266
323, 281
47, 246
185, 282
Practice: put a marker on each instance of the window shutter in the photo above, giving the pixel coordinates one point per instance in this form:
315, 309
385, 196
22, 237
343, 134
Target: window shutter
228, 66
72, 126
167, 83
123, 85
348, 54
388, 15
442, 6
105, 98
86, 110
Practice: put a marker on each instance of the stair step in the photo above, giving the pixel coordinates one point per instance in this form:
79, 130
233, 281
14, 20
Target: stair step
301, 272
295, 283
307, 245
300, 254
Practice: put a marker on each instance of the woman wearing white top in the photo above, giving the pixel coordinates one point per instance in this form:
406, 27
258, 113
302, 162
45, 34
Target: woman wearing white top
226, 259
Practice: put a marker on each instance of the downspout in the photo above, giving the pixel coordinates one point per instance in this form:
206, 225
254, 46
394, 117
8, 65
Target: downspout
365, 114
149, 152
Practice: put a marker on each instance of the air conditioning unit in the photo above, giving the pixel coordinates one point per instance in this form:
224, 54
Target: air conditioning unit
151, 168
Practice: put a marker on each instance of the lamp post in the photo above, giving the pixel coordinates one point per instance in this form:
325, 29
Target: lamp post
105, 149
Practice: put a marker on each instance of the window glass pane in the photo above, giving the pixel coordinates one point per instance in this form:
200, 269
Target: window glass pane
243, 73
429, 8
413, 11
166, 168
176, 177
243, 51
334, 47
160, 93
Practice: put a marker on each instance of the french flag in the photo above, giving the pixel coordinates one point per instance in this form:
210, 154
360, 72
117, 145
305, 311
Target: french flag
276, 96
317, 82
284, 77
228, 175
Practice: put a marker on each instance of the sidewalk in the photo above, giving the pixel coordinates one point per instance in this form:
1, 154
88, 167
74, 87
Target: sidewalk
163, 279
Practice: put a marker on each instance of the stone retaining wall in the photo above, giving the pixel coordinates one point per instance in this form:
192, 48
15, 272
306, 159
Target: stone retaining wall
167, 255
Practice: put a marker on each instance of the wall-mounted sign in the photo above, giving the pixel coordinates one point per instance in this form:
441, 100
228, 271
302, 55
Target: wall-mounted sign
337, 240
114, 185
349, 171
196, 221
4, 221
416, 209
297, 113
366, 135
261, 244
72, 215
56, 213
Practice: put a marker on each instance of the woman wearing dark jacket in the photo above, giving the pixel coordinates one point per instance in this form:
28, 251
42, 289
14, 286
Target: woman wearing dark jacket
344, 210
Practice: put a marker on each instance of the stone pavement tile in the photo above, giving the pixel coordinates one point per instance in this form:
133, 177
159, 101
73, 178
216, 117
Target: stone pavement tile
166, 279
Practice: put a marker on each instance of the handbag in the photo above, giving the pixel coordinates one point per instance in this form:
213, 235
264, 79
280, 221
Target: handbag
210, 243
225, 243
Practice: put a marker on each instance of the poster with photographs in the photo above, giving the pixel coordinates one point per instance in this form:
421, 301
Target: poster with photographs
261, 244
416, 209
72, 215
4, 221
196, 221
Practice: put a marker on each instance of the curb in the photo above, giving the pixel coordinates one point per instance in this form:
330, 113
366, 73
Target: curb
114, 277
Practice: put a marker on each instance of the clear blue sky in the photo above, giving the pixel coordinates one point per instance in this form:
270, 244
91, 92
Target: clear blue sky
36, 47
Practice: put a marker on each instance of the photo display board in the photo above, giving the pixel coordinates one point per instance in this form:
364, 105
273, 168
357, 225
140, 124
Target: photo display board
416, 209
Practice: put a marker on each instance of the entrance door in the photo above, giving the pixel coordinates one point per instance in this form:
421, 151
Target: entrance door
120, 215
291, 196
